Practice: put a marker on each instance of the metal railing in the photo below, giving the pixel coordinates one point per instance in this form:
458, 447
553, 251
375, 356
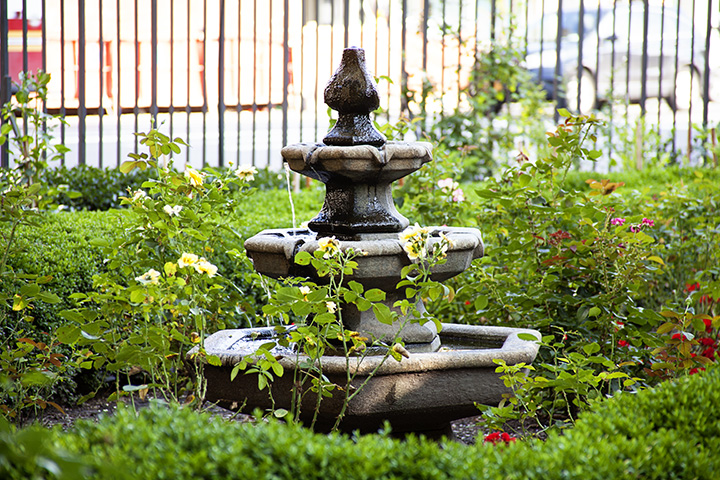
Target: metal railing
239, 80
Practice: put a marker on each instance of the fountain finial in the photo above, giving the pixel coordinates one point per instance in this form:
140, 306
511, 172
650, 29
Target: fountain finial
352, 92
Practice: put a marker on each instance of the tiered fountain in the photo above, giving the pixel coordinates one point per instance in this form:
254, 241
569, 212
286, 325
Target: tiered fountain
447, 372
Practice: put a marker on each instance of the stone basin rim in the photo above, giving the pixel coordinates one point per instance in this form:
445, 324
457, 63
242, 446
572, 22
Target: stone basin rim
513, 351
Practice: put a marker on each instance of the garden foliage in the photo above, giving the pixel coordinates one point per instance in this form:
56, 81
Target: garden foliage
662, 433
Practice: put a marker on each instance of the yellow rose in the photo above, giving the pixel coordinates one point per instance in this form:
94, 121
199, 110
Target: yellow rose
203, 266
195, 177
187, 260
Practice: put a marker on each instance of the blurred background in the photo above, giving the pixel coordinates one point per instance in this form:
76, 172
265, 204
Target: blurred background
238, 80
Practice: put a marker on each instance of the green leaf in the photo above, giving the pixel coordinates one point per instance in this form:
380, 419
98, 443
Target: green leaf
48, 297
214, 360
591, 348
356, 287
375, 295
529, 337
563, 112
594, 312
656, 259
481, 302
68, 334
383, 313
303, 258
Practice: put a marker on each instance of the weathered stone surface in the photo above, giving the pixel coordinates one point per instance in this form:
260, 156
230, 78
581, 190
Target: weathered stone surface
421, 393
358, 190
352, 92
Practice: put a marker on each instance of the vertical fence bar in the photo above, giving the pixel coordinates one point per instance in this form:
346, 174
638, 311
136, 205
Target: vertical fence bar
204, 85
43, 40
101, 108
62, 74
403, 71
286, 75
425, 20
643, 80
187, 84
254, 101
675, 75
238, 107
118, 106
136, 108
171, 107
154, 58
221, 87
4, 76
493, 15
558, 46
542, 43
692, 75
459, 70
24, 43
662, 61
269, 105
81, 83
317, 69
706, 76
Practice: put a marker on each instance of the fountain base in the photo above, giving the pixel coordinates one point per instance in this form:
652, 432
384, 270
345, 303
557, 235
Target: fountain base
423, 393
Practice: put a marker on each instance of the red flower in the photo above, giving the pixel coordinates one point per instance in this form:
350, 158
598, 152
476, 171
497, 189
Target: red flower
708, 325
707, 342
677, 336
693, 371
623, 343
709, 353
497, 437
706, 299
691, 287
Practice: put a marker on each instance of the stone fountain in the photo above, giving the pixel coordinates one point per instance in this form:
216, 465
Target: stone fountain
446, 372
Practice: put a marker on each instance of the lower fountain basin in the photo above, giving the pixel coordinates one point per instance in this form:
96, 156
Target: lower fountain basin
423, 393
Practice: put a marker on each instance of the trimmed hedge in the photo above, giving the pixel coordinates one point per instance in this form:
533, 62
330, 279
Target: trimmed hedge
672, 431
61, 246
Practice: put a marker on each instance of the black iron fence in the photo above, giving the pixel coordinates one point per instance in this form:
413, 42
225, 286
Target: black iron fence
238, 80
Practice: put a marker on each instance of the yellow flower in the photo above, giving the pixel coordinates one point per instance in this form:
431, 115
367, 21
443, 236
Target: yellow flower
195, 177
329, 245
246, 174
203, 266
415, 241
187, 260
150, 277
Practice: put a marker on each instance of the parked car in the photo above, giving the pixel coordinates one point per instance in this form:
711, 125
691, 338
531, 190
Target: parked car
604, 59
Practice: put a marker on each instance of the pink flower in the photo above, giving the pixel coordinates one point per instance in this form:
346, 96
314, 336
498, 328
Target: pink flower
617, 221
458, 195
647, 223
634, 228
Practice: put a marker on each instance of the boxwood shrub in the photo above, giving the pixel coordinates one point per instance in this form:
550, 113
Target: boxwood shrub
669, 432
61, 245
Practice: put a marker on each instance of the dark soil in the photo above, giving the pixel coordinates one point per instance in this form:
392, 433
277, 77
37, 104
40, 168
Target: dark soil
466, 430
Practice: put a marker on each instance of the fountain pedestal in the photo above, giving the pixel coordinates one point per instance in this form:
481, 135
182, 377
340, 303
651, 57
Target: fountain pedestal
447, 372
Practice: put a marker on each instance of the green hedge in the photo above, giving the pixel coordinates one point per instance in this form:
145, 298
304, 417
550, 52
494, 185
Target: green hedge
61, 246
672, 431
